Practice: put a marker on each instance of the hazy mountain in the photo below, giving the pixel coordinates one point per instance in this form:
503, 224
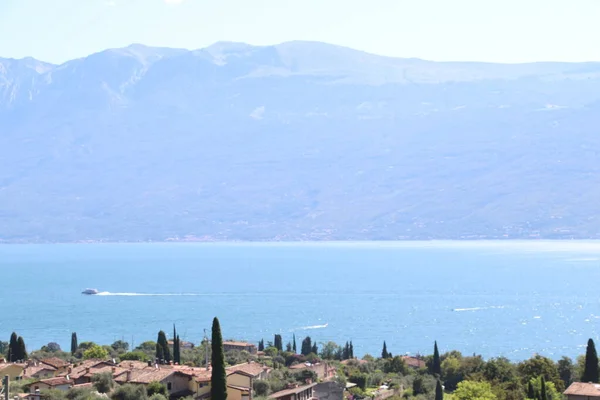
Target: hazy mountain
296, 141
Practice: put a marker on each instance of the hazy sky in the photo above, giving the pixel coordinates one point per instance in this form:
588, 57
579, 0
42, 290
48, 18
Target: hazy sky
484, 30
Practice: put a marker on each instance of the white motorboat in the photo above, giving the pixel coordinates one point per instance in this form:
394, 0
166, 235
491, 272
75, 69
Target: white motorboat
90, 291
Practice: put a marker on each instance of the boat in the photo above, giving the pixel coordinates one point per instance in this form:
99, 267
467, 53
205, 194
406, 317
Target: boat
90, 291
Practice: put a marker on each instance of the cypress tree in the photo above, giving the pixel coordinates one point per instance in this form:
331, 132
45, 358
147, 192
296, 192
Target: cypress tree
278, 343
384, 352
218, 380
543, 395
436, 365
22, 349
261, 345
162, 347
314, 349
74, 343
439, 391
346, 352
178, 360
351, 350
294, 344
306, 346
590, 372
530, 391
13, 351
288, 347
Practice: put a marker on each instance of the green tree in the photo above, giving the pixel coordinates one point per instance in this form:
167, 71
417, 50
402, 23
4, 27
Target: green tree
439, 391
471, 390
543, 394
499, 370
157, 388
129, 392
565, 370
120, 346
538, 366
278, 343
95, 352
134, 356
384, 352
395, 365
261, 345
306, 348
103, 382
294, 344
314, 349
436, 364
157, 396
218, 380
351, 350
590, 373
21, 348
73, 343
261, 387
530, 391
13, 350
162, 348
329, 351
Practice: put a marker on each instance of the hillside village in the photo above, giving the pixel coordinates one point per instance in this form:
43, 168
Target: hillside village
336, 374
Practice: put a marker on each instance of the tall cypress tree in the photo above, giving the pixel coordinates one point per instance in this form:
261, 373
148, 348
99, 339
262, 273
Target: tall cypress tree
436, 365
543, 395
176, 347
590, 372
530, 391
278, 342
351, 350
22, 349
218, 380
261, 345
306, 346
294, 344
13, 351
439, 391
384, 352
314, 349
162, 347
74, 343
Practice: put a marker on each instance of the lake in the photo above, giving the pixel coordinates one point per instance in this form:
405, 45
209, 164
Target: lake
491, 298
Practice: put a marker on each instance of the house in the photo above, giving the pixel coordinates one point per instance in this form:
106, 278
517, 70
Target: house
182, 345
323, 370
13, 370
256, 370
176, 381
239, 346
295, 393
414, 362
83, 372
59, 383
56, 363
583, 391
35, 370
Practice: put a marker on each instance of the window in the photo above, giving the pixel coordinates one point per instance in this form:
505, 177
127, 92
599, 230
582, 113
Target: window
169, 386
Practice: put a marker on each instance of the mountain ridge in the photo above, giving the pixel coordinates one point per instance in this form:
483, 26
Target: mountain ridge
298, 141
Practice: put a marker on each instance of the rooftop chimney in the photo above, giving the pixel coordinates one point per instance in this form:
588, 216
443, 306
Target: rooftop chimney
149, 363
87, 370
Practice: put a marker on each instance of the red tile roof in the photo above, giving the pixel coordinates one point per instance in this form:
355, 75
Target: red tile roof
59, 380
288, 392
252, 368
55, 362
584, 389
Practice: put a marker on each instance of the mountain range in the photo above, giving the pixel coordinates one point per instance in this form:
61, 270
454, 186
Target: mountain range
297, 141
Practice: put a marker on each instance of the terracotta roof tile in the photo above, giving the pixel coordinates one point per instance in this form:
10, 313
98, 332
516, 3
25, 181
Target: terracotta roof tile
59, 380
251, 368
55, 362
287, 392
583, 389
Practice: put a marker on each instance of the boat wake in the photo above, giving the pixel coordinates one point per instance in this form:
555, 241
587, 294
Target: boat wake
475, 308
147, 294
314, 327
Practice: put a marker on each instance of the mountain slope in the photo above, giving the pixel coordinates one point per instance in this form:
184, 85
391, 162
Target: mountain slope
296, 141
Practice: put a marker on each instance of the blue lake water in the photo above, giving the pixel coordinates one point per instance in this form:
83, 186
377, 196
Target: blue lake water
491, 298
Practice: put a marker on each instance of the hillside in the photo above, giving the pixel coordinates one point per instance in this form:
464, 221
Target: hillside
296, 141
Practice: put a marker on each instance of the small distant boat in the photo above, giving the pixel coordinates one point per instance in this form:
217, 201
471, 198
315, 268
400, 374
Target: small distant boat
90, 291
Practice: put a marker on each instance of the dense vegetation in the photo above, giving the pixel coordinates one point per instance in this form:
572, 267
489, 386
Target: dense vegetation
449, 375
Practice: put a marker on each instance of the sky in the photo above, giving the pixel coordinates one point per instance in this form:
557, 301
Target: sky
507, 31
